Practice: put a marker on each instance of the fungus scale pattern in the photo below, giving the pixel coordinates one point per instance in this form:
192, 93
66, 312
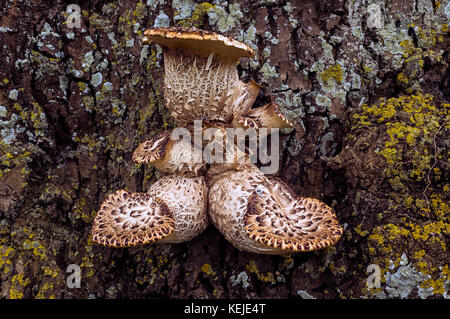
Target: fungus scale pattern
209, 88
254, 212
186, 197
279, 219
172, 211
170, 156
130, 219
268, 116
153, 149
262, 215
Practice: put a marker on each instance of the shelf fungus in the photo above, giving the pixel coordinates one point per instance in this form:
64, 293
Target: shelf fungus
261, 214
172, 211
267, 116
255, 212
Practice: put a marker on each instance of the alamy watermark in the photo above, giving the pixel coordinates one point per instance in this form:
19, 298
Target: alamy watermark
228, 145
375, 16
74, 16
74, 279
374, 279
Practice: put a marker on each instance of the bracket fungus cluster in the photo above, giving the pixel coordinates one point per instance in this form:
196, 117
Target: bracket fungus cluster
255, 212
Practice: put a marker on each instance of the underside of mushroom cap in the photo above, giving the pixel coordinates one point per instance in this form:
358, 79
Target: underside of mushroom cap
204, 87
201, 81
200, 41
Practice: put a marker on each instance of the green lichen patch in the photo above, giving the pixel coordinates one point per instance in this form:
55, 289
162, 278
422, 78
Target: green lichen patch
198, 16
267, 277
407, 136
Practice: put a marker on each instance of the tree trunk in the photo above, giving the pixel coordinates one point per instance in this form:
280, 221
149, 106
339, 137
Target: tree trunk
365, 82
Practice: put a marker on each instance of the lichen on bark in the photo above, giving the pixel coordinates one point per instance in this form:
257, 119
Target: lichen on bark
366, 85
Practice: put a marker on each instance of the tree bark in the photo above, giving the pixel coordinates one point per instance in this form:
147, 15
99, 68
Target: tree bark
365, 82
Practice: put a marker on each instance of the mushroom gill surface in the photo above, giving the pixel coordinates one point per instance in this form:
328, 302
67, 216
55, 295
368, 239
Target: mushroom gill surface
262, 215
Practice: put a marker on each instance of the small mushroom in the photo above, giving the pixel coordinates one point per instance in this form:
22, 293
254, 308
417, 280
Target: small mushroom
262, 215
200, 75
267, 116
170, 156
172, 211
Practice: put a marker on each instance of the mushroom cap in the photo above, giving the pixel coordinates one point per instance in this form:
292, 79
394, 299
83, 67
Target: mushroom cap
187, 198
197, 40
246, 122
261, 214
130, 219
170, 156
153, 149
268, 116
301, 224
172, 211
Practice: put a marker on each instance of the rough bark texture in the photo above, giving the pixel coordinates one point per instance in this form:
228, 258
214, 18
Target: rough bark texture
369, 96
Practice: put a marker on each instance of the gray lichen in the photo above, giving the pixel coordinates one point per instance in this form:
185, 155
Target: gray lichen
96, 79
3, 111
162, 20
224, 20
242, 278
401, 283
13, 94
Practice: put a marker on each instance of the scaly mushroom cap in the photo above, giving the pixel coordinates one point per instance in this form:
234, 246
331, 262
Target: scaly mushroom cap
267, 116
187, 199
130, 219
262, 215
201, 80
152, 150
173, 211
169, 156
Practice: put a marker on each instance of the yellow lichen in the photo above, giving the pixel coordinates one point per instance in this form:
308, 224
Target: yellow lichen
409, 130
47, 286
18, 282
333, 72
197, 16
253, 269
208, 270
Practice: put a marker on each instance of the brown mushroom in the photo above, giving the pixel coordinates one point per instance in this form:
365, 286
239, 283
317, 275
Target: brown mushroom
200, 75
267, 116
170, 156
172, 211
262, 215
